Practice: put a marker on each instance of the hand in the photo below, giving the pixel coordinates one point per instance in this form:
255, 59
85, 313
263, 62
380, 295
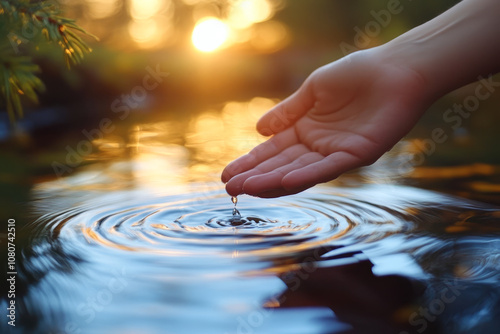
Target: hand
345, 115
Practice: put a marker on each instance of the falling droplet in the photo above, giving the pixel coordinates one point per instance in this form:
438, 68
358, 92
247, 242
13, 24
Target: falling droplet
236, 213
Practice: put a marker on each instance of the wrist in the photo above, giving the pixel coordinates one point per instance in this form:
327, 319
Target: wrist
451, 50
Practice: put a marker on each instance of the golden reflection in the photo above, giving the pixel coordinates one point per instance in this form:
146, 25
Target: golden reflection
272, 303
463, 271
158, 163
457, 229
205, 139
239, 120
455, 171
216, 137
484, 187
91, 236
209, 34
175, 155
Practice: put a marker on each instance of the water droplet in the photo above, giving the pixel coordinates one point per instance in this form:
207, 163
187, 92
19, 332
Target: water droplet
236, 213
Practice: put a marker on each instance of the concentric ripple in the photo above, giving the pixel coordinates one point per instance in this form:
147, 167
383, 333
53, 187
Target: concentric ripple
207, 227
189, 253
204, 225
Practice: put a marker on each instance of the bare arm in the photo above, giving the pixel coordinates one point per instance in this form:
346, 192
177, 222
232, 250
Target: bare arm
350, 112
454, 48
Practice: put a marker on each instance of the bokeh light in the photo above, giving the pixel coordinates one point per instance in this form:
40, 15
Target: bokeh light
209, 34
244, 13
151, 22
143, 31
144, 9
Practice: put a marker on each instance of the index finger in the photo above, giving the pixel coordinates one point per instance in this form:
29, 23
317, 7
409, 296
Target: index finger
287, 112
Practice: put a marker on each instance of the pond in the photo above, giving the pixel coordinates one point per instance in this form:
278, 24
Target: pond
141, 238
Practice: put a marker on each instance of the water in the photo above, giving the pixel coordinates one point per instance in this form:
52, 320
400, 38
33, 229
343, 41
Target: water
236, 213
122, 246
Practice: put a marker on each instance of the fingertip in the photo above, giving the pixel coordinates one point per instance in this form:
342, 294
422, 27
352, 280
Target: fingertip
232, 191
263, 127
273, 121
265, 131
226, 176
286, 113
235, 186
232, 169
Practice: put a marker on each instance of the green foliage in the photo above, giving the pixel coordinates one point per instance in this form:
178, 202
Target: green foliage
24, 24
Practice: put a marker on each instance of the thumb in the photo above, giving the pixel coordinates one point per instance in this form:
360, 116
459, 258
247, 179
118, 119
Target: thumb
287, 112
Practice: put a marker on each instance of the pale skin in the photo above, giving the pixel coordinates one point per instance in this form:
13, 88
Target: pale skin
351, 111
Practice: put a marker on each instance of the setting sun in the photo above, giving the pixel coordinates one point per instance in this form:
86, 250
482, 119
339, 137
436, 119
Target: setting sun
209, 34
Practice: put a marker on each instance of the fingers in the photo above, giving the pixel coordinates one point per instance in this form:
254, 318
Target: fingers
299, 174
287, 112
272, 180
277, 121
279, 192
269, 173
324, 170
262, 152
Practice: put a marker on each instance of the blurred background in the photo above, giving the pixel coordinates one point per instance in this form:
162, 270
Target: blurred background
191, 61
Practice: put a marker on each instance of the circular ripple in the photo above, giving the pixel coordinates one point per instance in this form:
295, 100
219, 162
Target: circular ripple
191, 225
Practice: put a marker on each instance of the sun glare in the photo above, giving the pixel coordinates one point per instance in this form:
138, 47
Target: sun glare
209, 34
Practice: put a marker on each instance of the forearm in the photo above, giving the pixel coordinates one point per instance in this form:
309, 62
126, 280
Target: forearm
454, 48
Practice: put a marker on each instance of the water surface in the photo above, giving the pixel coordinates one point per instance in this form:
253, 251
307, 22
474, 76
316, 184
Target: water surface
144, 240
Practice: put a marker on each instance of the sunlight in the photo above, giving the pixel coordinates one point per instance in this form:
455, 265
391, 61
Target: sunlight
209, 34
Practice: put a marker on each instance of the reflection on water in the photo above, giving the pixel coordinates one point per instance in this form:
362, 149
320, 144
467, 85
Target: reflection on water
145, 240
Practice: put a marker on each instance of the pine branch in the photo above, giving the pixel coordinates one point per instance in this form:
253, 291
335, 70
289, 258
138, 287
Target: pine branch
18, 77
22, 22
